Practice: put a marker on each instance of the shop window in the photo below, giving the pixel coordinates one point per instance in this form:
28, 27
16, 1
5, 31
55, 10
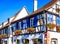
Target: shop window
17, 41
5, 42
37, 41
25, 41
54, 41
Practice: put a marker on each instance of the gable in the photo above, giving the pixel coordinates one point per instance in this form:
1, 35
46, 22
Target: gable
55, 8
20, 14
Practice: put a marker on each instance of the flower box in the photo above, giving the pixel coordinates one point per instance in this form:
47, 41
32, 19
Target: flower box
31, 30
58, 10
58, 28
3, 35
51, 25
17, 32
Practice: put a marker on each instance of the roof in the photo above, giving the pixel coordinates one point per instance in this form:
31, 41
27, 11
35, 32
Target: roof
46, 7
13, 18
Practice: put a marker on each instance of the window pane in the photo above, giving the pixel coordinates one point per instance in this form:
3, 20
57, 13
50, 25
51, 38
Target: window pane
32, 22
49, 18
18, 41
24, 24
58, 21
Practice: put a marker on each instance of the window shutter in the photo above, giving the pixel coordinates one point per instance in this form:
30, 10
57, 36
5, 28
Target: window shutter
17, 26
21, 24
28, 22
35, 21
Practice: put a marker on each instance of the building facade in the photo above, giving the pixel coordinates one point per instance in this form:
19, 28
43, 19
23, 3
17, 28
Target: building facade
40, 27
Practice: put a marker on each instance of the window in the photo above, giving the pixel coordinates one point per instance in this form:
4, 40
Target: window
13, 28
32, 22
54, 41
25, 41
58, 21
5, 42
20, 25
57, 6
28, 22
37, 41
49, 18
17, 41
24, 24
41, 16
6, 31
35, 21
16, 25
0, 32
42, 28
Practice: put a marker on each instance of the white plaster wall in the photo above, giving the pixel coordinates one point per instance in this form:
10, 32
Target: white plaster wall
54, 6
4, 24
55, 35
0, 26
11, 19
23, 13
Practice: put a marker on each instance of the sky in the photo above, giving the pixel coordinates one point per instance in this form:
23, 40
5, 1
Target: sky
9, 8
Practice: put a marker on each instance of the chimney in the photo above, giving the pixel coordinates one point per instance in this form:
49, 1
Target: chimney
35, 5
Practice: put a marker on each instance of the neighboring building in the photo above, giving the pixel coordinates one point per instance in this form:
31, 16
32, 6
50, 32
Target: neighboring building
40, 27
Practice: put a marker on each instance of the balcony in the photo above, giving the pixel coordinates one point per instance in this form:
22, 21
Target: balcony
32, 30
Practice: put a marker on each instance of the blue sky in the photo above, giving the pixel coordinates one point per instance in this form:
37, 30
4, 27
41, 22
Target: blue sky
9, 8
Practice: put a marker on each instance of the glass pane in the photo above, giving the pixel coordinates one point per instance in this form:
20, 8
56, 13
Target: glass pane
31, 22
26, 41
18, 41
49, 18
53, 42
37, 41
5, 42
58, 21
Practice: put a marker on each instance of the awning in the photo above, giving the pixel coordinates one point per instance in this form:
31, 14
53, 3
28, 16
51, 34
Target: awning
19, 37
40, 36
31, 36
25, 36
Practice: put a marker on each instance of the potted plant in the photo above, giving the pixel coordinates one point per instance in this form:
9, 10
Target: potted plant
40, 22
3, 35
57, 9
17, 32
31, 30
51, 25
58, 28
